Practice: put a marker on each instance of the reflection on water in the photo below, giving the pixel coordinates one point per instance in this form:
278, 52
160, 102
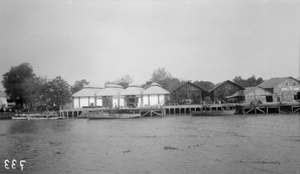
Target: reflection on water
171, 144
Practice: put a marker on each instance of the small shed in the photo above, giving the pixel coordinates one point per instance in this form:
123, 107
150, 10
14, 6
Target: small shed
253, 94
132, 95
85, 97
110, 96
155, 95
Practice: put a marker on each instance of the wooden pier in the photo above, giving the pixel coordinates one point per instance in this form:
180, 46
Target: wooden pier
266, 108
144, 111
243, 109
186, 109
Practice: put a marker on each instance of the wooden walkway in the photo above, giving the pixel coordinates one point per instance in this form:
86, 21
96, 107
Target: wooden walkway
186, 109
145, 111
265, 108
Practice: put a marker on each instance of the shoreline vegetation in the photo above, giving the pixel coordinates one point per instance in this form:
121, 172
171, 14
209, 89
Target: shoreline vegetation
28, 91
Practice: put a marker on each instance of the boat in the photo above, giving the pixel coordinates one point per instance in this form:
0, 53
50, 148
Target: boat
22, 116
38, 116
113, 114
44, 117
214, 110
19, 117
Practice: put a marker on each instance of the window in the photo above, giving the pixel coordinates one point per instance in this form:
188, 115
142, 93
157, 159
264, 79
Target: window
294, 83
287, 83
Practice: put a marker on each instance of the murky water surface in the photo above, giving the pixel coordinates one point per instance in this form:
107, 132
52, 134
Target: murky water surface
171, 144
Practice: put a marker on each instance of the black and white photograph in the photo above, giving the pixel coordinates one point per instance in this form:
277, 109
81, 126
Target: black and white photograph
150, 86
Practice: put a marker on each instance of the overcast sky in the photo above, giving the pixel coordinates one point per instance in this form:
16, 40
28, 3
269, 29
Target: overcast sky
98, 40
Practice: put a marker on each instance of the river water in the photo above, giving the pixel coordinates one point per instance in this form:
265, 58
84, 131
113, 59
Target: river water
170, 144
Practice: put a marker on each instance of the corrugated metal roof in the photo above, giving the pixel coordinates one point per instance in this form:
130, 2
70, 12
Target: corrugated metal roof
188, 82
133, 90
273, 82
227, 81
155, 88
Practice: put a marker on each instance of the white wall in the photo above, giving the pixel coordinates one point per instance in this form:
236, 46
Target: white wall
84, 101
76, 102
145, 100
99, 102
122, 102
153, 100
161, 99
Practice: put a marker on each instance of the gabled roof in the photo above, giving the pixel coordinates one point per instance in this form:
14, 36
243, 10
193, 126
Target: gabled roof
250, 89
133, 90
188, 82
87, 92
273, 82
155, 88
227, 81
247, 91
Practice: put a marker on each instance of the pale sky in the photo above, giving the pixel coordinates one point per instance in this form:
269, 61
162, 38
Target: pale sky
98, 40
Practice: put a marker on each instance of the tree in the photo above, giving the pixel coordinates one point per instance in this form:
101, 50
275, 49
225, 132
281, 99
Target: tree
164, 78
171, 84
33, 92
109, 83
13, 80
250, 82
78, 85
159, 75
57, 92
124, 81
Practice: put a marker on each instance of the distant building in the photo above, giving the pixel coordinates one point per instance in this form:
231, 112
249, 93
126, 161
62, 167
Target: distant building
110, 96
253, 94
85, 97
220, 92
132, 95
282, 89
155, 95
188, 93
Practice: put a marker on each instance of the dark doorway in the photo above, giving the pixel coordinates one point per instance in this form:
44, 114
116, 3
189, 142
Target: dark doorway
269, 98
278, 99
107, 101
